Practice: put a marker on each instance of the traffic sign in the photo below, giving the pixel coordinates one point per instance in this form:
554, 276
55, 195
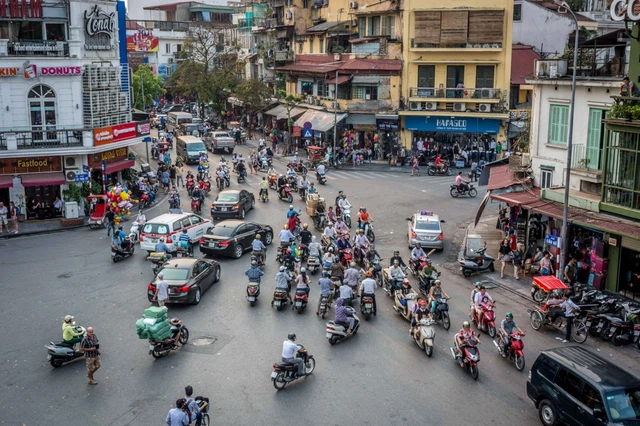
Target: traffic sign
85, 168
307, 134
307, 125
82, 177
296, 131
147, 139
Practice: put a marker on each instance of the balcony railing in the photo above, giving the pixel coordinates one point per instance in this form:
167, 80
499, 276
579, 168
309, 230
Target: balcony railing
3, 142
161, 25
586, 158
38, 48
453, 93
284, 55
48, 139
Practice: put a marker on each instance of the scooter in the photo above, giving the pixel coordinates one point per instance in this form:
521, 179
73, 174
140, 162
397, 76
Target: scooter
425, 283
313, 264
375, 266
117, 253
404, 304
264, 195
324, 305
320, 221
432, 170
134, 232
368, 232
195, 205
300, 300
442, 312
346, 257
287, 195
487, 322
366, 307
158, 259
478, 264
242, 177
425, 335
285, 372
468, 356
59, 353
321, 178
258, 257
346, 216
455, 191
515, 352
280, 299
162, 348
338, 331
253, 291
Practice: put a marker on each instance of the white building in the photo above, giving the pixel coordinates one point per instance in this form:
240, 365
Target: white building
64, 97
139, 9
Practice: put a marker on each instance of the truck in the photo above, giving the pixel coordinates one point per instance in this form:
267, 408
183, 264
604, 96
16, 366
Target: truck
217, 140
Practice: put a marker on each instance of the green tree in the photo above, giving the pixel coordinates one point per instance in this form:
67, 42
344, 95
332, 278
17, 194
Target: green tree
151, 83
254, 94
289, 102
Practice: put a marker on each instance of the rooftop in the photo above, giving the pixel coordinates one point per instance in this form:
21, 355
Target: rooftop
522, 62
554, 7
326, 63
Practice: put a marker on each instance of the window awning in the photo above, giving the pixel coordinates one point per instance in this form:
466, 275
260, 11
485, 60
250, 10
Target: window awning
6, 181
116, 166
280, 112
341, 79
43, 179
361, 119
320, 121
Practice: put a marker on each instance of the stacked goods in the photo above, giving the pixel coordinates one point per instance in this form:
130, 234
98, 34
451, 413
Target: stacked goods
154, 324
312, 203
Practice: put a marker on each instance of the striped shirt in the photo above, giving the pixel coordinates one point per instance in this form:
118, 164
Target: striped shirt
184, 237
90, 342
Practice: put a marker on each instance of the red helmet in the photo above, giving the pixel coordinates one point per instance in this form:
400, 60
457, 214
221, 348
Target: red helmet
288, 251
422, 302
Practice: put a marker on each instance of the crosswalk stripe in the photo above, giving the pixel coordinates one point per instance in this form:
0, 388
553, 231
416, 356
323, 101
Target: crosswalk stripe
331, 177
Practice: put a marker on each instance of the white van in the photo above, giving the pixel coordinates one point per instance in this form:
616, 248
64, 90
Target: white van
175, 119
169, 225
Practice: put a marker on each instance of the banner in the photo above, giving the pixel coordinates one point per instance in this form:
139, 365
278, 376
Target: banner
142, 41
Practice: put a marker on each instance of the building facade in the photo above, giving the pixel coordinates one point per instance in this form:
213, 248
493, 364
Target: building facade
65, 98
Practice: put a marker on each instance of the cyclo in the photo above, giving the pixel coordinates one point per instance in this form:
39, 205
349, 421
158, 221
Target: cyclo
315, 156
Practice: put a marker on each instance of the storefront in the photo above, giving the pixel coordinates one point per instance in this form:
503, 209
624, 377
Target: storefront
318, 126
116, 160
388, 133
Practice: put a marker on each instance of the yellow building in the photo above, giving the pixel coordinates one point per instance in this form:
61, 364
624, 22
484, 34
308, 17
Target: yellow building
456, 71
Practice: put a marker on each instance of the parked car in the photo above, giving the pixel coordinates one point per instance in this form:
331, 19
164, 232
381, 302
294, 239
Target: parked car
232, 203
575, 386
188, 278
233, 237
219, 141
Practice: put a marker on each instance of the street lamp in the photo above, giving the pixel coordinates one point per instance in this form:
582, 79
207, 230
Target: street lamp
565, 209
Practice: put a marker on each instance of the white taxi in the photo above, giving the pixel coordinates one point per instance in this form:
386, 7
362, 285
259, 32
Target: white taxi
169, 225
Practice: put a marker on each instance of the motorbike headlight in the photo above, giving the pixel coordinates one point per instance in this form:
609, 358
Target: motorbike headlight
474, 357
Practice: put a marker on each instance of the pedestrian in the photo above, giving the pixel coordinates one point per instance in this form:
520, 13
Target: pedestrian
3, 217
415, 167
161, 294
165, 180
110, 217
193, 407
172, 175
569, 271
167, 158
505, 255
403, 156
13, 211
518, 255
474, 170
91, 349
546, 268
178, 416
568, 312
252, 159
179, 171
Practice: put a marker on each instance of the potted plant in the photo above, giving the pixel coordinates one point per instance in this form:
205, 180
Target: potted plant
337, 52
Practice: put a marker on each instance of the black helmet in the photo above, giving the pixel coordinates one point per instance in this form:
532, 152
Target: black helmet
396, 252
291, 337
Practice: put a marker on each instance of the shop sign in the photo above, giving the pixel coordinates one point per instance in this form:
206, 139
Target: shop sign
9, 71
613, 242
40, 46
296, 131
364, 127
102, 135
552, 240
391, 126
119, 133
16, 166
617, 7
100, 28
452, 124
95, 160
34, 71
143, 128
142, 41
122, 132
21, 9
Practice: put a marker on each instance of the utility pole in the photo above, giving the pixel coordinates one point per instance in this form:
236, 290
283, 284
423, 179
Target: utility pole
335, 121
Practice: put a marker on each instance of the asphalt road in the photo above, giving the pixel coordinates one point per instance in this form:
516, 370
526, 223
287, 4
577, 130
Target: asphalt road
379, 376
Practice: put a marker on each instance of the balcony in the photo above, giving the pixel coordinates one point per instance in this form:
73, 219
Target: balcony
587, 159
284, 55
3, 142
46, 139
161, 25
450, 94
38, 48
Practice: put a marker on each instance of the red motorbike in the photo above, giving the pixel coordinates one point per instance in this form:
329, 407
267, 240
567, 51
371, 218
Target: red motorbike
287, 194
195, 205
300, 300
468, 356
515, 352
346, 257
205, 187
360, 253
190, 186
417, 265
487, 323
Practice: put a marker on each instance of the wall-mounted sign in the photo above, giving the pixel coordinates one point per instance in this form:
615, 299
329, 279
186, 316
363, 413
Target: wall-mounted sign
35, 71
613, 241
452, 124
95, 160
16, 166
122, 132
9, 71
40, 46
552, 240
119, 133
100, 28
143, 128
388, 125
621, 10
142, 41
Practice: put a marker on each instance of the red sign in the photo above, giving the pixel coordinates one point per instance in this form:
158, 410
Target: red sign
142, 41
143, 128
20, 8
119, 133
122, 132
296, 132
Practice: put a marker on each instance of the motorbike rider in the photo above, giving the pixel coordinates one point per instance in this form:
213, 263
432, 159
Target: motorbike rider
325, 290
476, 290
343, 204
282, 281
271, 171
478, 303
396, 275
162, 247
346, 294
242, 169
330, 232
254, 273
223, 162
396, 256
341, 227
351, 276
305, 236
461, 183
461, 338
185, 242
343, 244
331, 215
337, 270
304, 183
367, 289
417, 252
315, 249
69, 334
141, 219
438, 163
328, 258
506, 330
264, 187
303, 281
198, 193
312, 189
289, 349
258, 248
436, 292
419, 313
220, 177
282, 181
285, 236
371, 255
428, 270
320, 171
343, 316
364, 218
293, 222
361, 242
291, 173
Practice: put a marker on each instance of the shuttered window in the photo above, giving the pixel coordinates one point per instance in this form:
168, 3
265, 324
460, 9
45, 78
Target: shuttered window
427, 28
374, 26
426, 75
362, 27
454, 28
594, 140
558, 124
486, 26
388, 26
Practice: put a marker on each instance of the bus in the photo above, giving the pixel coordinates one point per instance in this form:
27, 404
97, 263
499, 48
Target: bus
175, 119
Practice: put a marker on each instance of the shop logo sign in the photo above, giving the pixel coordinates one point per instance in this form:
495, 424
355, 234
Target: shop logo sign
617, 7
9, 71
451, 124
100, 27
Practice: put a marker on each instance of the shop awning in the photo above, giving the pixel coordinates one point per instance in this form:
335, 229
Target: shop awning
6, 181
520, 198
280, 112
43, 179
341, 79
387, 116
320, 121
116, 166
502, 177
361, 119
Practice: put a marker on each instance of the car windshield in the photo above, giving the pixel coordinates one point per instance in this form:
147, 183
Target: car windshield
223, 231
227, 198
624, 404
423, 225
156, 228
196, 147
221, 135
175, 274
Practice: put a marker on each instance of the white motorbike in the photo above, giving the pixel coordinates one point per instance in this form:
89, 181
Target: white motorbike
346, 216
338, 331
368, 232
134, 232
59, 353
425, 337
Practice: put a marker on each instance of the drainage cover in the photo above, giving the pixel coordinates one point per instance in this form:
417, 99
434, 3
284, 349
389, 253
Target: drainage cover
203, 341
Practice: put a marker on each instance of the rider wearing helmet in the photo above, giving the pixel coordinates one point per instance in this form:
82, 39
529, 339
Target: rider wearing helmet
315, 249
285, 236
289, 350
328, 258
396, 256
304, 183
436, 292
282, 282
258, 248
367, 289
364, 218
421, 312
428, 270
395, 275
330, 232
282, 181
325, 290
291, 211
305, 235
343, 204
506, 329
465, 333
417, 253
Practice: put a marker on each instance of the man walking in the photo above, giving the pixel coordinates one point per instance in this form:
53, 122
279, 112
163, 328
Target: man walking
179, 180
110, 217
3, 218
192, 405
90, 347
172, 175
162, 288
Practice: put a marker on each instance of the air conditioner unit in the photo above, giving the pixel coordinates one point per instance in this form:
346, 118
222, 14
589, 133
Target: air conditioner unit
353, 5
415, 106
430, 106
486, 94
354, 22
70, 175
459, 106
170, 60
289, 15
73, 162
484, 107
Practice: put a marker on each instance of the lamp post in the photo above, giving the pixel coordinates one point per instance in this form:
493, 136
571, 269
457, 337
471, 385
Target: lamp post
565, 209
335, 121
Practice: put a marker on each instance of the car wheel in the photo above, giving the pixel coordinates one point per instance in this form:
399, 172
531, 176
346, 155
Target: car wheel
547, 412
253, 204
216, 278
268, 239
237, 252
197, 296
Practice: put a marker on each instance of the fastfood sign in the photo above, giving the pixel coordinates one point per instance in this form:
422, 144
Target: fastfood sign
621, 10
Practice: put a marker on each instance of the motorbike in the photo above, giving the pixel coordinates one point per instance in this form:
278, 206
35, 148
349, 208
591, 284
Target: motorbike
320, 221
478, 264
404, 305
321, 178
190, 185
621, 325
302, 192
300, 300
242, 177
287, 195
253, 291
280, 299
346, 216
375, 266
298, 167
313, 264
264, 196
117, 253
293, 183
59, 353
258, 257
515, 352
195, 205
324, 305
162, 348
368, 232
442, 312
425, 336
468, 356
346, 257
146, 200
455, 191
265, 163
432, 170
425, 283
158, 259
366, 307
285, 372
134, 232
338, 331
416, 265
487, 323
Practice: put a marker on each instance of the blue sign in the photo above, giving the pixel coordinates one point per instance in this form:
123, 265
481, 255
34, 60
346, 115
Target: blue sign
451, 124
307, 134
388, 125
147, 139
85, 168
307, 125
82, 177
552, 240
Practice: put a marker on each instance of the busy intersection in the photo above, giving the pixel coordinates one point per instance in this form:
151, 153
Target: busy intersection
379, 376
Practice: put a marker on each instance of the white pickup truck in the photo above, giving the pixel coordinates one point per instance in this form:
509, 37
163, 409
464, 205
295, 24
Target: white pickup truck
217, 140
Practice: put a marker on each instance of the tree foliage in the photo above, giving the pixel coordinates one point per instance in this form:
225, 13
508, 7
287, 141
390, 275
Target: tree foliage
289, 102
254, 93
152, 86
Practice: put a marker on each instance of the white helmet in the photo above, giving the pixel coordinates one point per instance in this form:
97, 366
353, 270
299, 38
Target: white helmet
282, 268
302, 269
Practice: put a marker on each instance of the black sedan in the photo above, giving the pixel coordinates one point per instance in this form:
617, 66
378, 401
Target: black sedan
188, 278
234, 237
232, 203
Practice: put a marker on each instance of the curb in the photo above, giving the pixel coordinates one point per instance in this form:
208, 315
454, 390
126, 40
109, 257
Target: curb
45, 231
